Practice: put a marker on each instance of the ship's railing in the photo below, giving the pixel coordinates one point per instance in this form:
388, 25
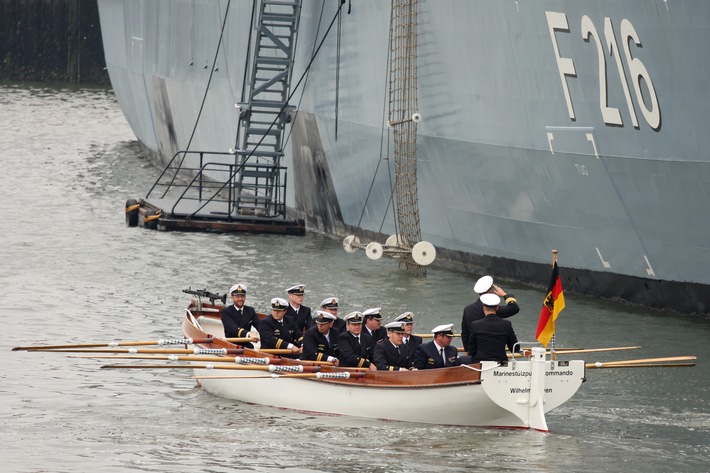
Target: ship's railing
218, 182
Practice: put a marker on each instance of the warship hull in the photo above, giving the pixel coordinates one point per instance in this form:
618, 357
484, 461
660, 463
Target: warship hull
568, 125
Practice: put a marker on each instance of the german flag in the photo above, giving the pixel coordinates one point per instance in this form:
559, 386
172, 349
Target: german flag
551, 308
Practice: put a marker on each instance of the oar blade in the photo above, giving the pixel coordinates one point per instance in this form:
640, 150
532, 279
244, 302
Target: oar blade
642, 365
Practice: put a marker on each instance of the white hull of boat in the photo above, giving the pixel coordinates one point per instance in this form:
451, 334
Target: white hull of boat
459, 404
516, 395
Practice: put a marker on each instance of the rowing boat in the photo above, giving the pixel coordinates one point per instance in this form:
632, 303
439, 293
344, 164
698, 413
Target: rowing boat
515, 395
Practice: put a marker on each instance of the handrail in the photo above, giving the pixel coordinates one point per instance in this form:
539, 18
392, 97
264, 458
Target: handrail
199, 182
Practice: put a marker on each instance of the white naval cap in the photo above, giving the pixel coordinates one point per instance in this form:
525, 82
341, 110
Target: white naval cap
330, 303
298, 289
407, 318
490, 300
483, 284
324, 317
353, 317
395, 327
445, 329
279, 304
238, 289
374, 313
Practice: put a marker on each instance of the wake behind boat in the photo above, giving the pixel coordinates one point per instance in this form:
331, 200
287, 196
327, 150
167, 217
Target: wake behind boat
518, 394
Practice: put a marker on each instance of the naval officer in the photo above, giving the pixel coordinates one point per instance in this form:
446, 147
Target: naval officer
320, 343
474, 311
410, 342
296, 310
238, 318
279, 331
389, 353
355, 347
437, 353
491, 334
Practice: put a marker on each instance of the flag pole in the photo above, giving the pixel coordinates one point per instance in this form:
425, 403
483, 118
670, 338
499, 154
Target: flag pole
553, 353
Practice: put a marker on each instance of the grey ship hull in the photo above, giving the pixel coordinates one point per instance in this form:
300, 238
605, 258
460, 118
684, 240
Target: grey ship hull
533, 137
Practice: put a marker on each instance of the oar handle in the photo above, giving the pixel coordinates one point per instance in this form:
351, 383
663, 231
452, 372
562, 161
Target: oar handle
240, 339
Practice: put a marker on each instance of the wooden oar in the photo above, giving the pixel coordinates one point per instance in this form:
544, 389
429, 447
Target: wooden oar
209, 366
640, 365
223, 359
162, 342
240, 340
567, 351
360, 374
178, 351
648, 360
581, 350
570, 351
210, 358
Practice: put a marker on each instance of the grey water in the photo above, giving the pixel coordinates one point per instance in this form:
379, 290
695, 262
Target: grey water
72, 272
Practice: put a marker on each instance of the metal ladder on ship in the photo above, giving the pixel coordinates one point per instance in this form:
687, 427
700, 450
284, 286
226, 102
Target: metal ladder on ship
264, 111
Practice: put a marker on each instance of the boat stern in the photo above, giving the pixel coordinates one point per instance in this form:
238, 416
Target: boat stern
529, 389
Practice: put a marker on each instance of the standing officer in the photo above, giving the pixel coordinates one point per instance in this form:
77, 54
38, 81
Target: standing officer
491, 334
299, 312
238, 319
474, 311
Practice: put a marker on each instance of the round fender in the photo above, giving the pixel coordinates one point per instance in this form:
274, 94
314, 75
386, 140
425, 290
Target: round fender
132, 207
373, 250
396, 240
423, 253
351, 243
149, 219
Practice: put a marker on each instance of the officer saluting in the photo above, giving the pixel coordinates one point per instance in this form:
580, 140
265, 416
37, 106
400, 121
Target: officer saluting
474, 311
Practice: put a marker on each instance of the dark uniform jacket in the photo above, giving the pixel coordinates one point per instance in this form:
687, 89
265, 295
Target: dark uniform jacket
427, 356
352, 353
275, 335
303, 317
389, 358
377, 335
489, 337
474, 311
412, 344
340, 325
238, 324
316, 347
